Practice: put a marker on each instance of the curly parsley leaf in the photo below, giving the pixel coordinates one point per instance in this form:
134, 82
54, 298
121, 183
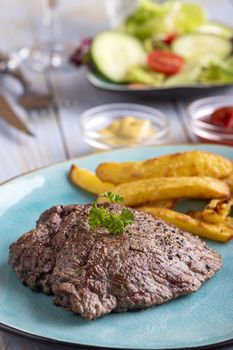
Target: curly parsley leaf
115, 223
97, 216
113, 197
127, 216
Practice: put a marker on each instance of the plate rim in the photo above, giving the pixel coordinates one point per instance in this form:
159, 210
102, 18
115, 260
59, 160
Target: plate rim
95, 80
71, 345
46, 340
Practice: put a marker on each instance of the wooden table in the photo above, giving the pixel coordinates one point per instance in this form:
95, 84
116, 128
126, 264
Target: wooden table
57, 131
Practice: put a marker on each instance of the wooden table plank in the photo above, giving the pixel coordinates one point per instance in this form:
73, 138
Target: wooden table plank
22, 153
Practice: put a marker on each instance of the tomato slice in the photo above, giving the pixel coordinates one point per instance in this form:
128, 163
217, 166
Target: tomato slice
223, 117
169, 38
165, 62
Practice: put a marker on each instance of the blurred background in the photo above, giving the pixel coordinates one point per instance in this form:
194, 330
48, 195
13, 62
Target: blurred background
26, 23
38, 36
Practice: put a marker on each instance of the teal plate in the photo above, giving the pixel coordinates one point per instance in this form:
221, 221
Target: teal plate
201, 319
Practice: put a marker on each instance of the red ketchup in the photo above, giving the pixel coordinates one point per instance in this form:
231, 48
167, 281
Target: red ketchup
221, 117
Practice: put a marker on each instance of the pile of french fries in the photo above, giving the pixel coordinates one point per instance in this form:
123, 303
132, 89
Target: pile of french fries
155, 185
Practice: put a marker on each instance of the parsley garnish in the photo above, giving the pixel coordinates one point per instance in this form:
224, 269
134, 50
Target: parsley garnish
102, 217
113, 197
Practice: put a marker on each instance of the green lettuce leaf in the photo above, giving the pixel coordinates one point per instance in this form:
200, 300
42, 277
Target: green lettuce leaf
172, 16
221, 73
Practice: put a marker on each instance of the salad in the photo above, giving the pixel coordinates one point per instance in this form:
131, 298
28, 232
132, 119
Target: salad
167, 44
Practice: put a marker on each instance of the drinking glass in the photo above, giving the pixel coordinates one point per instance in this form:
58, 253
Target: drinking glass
57, 27
48, 51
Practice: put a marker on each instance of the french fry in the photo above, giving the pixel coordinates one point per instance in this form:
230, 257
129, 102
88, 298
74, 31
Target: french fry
220, 232
229, 221
193, 163
221, 207
229, 182
215, 212
169, 204
88, 181
195, 215
163, 188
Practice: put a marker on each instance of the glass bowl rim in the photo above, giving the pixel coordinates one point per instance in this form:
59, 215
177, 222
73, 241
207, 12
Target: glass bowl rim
153, 112
197, 104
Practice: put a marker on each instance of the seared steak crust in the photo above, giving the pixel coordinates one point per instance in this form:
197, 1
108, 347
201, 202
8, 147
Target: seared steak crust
93, 273
33, 256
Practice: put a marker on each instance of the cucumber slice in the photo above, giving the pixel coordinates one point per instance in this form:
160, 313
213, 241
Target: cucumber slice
202, 48
113, 53
216, 29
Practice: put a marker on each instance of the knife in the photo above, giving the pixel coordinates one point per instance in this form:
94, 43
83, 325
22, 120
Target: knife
10, 116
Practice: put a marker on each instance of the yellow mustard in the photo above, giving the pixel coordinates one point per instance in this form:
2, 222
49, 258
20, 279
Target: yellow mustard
128, 129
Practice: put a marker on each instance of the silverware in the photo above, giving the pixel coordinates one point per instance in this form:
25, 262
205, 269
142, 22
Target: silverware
30, 99
8, 66
10, 116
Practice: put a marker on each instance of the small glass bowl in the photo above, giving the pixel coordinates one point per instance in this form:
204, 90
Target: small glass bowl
97, 118
200, 110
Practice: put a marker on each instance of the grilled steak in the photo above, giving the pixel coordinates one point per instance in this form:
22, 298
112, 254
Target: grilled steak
93, 273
